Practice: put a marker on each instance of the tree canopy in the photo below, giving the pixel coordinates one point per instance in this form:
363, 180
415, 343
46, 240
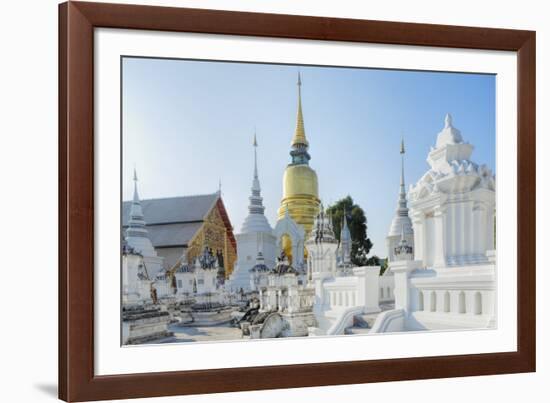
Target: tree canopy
357, 223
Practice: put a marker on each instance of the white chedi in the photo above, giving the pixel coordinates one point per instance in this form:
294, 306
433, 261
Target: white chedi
401, 224
137, 238
256, 236
136, 233
140, 262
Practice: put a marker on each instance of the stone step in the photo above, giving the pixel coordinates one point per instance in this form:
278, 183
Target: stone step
356, 330
361, 324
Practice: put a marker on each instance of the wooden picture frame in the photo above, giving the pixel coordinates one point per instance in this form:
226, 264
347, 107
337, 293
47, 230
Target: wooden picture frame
77, 21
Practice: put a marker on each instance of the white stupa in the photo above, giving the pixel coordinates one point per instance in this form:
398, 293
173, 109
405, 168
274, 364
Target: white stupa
136, 233
401, 225
256, 236
138, 242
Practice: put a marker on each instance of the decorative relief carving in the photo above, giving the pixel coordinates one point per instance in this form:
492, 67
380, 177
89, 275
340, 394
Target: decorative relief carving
213, 233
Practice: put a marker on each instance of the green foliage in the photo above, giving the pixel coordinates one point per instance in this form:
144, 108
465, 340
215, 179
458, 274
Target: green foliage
383, 264
357, 223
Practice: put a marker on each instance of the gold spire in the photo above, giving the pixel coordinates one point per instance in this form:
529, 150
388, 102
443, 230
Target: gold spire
300, 198
300, 133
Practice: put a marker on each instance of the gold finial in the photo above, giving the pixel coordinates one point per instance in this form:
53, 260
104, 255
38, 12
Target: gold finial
300, 133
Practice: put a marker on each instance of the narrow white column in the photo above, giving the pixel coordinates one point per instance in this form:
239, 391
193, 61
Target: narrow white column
440, 238
418, 224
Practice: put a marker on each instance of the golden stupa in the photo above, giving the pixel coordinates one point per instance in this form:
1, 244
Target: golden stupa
300, 187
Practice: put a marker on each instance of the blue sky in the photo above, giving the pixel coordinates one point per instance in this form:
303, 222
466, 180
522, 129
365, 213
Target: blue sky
189, 124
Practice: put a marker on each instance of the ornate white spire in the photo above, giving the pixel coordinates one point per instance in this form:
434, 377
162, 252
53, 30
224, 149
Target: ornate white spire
255, 206
255, 144
255, 181
256, 220
344, 233
402, 191
136, 223
345, 242
136, 196
401, 219
136, 233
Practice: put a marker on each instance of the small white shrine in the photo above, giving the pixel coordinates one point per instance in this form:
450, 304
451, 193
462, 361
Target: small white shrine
449, 281
285, 305
453, 205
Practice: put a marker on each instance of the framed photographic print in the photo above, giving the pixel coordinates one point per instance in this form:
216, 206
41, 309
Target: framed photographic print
256, 201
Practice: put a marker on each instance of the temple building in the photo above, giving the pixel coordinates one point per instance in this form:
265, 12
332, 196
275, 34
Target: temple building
401, 224
176, 224
256, 236
300, 187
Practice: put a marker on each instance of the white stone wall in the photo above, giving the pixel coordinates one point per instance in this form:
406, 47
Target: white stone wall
386, 289
339, 299
134, 289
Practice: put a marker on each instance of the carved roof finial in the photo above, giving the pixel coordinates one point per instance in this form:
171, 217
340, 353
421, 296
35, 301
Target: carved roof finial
448, 120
